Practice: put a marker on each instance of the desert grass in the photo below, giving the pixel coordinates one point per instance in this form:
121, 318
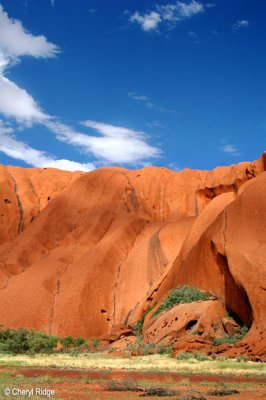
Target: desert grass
66, 387
156, 363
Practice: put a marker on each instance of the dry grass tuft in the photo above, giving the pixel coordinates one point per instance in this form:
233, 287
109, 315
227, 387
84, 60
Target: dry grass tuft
153, 363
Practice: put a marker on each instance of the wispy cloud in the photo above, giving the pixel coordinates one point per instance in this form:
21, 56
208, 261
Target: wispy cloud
15, 42
174, 167
115, 145
148, 22
17, 103
52, 3
169, 14
180, 10
92, 11
194, 36
230, 149
18, 150
146, 102
240, 24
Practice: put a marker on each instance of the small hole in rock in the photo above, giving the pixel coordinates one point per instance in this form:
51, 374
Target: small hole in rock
103, 311
190, 324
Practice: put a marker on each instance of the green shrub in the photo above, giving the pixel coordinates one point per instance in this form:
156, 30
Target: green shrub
225, 339
28, 341
147, 348
139, 339
137, 327
78, 342
240, 332
95, 343
41, 343
241, 359
223, 358
201, 356
67, 341
196, 356
181, 295
165, 349
133, 346
183, 356
70, 342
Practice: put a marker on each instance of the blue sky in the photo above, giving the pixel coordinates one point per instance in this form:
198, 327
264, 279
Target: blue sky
87, 83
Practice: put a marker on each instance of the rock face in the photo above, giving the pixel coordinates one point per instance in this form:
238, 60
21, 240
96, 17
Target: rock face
202, 318
24, 193
84, 254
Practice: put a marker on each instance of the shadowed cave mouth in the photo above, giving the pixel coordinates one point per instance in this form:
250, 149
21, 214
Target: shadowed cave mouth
236, 299
190, 324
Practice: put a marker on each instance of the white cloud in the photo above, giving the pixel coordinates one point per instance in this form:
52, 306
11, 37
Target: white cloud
17, 103
145, 100
240, 24
148, 22
116, 145
180, 10
136, 97
15, 41
18, 150
169, 13
188, 10
231, 149
174, 167
194, 36
92, 11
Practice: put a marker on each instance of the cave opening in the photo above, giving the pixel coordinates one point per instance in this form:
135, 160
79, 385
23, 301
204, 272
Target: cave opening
236, 299
190, 324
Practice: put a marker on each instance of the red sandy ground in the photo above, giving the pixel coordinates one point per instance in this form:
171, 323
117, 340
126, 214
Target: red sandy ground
77, 385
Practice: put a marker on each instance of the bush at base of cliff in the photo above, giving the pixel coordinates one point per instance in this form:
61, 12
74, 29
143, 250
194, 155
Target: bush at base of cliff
24, 341
181, 295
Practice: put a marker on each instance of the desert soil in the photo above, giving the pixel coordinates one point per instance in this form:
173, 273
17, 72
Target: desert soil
93, 385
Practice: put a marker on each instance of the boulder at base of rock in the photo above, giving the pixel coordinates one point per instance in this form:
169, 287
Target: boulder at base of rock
201, 318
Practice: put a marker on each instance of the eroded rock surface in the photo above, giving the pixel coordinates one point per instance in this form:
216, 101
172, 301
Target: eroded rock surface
201, 318
82, 253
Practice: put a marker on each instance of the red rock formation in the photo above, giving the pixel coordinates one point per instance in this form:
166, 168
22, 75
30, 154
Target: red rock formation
203, 318
83, 253
25, 192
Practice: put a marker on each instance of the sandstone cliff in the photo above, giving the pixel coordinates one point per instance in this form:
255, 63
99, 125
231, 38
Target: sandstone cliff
84, 253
